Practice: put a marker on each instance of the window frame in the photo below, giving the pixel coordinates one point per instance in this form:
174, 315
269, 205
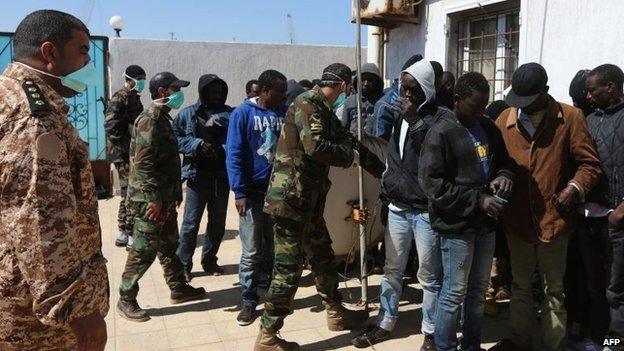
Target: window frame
506, 56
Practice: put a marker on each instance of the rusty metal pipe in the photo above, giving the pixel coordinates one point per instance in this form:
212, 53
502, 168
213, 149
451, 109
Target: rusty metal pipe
362, 225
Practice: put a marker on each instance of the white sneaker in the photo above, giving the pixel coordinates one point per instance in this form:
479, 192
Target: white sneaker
122, 239
130, 242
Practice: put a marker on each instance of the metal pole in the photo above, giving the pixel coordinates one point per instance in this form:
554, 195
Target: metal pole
362, 225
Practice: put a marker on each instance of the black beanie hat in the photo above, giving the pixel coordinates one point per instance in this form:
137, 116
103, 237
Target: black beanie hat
134, 71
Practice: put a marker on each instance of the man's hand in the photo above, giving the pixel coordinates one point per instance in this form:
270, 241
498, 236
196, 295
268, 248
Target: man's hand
154, 211
409, 111
616, 216
210, 122
501, 186
491, 206
567, 198
206, 150
90, 332
370, 162
241, 206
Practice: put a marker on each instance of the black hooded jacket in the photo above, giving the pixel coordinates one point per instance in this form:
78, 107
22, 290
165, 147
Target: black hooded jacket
199, 124
400, 181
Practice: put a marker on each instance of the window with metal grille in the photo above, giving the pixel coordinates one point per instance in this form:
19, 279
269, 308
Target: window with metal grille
489, 45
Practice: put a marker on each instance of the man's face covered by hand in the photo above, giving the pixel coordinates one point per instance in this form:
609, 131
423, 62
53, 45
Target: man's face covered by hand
213, 94
411, 96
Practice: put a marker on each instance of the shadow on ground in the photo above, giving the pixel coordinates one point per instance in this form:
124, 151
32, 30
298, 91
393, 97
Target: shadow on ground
227, 270
226, 298
229, 235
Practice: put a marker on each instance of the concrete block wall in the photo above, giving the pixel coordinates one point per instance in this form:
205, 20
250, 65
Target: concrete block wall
236, 63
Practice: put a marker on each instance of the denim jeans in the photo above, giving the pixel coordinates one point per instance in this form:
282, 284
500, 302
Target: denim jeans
201, 193
403, 227
256, 263
466, 262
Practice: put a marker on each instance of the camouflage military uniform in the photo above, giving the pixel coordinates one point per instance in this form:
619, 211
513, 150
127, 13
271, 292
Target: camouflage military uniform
311, 141
51, 266
123, 108
154, 177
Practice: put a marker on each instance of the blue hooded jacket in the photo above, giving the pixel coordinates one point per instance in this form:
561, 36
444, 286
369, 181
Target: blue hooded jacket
252, 138
386, 113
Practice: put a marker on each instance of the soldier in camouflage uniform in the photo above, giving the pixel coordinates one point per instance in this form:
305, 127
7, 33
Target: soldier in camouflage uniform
311, 141
123, 108
154, 193
53, 280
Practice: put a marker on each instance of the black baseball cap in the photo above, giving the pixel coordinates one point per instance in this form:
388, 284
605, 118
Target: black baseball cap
527, 83
166, 79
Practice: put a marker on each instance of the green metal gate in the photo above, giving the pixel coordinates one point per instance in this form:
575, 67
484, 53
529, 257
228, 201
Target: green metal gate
86, 110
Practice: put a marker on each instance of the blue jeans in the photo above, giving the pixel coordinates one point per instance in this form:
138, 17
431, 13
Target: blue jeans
256, 263
403, 226
201, 193
466, 261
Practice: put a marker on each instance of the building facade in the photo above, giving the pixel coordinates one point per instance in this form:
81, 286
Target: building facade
495, 36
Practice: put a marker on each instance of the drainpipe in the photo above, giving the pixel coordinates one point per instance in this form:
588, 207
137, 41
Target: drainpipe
385, 38
377, 39
374, 44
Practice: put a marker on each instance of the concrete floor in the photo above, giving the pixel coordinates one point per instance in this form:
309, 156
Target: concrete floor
211, 324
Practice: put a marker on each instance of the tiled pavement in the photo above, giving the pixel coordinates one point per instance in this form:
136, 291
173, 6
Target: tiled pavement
211, 324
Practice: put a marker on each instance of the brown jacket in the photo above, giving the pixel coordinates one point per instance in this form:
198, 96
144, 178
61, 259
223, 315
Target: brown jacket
561, 152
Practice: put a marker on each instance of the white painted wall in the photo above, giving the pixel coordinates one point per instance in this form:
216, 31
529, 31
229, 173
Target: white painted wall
236, 63
563, 35
568, 35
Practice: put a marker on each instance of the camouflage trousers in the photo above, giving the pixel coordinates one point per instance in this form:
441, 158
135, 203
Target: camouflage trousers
124, 219
151, 240
295, 241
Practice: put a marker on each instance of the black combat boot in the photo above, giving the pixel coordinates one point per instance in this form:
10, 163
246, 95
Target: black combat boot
130, 310
188, 276
186, 293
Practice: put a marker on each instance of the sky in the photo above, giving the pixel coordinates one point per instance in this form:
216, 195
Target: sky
320, 22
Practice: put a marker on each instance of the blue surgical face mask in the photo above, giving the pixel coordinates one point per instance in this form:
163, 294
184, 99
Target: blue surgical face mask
174, 101
78, 80
139, 84
340, 100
